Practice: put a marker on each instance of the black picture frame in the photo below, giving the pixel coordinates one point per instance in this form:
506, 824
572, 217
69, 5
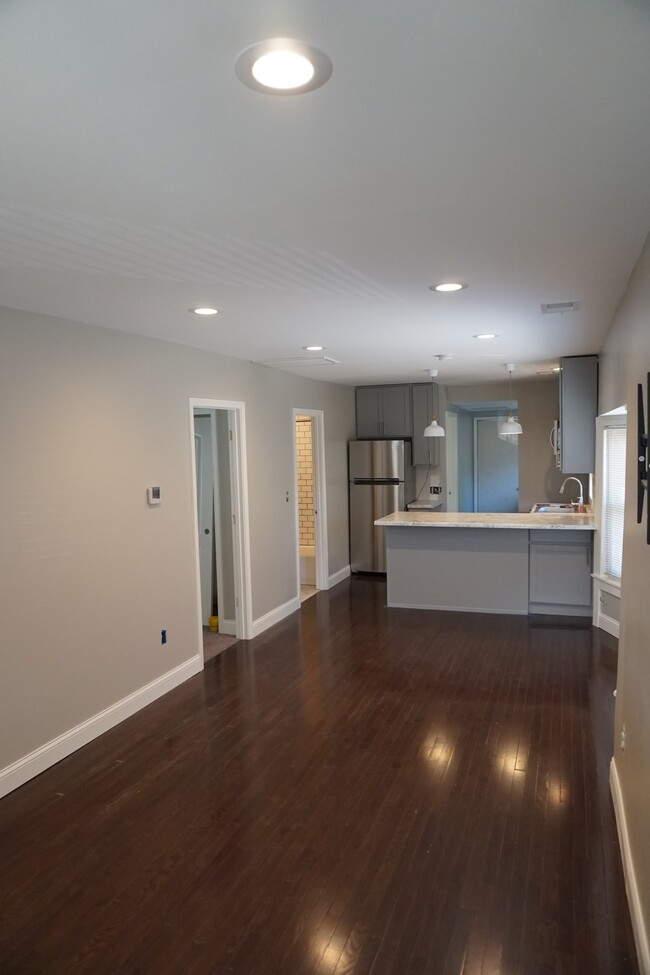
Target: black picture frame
642, 457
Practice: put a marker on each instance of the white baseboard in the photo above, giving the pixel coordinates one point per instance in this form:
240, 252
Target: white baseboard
634, 900
53, 751
607, 624
274, 616
339, 576
459, 609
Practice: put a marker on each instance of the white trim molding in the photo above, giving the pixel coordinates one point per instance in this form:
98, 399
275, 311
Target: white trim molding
70, 741
275, 616
604, 587
634, 899
339, 576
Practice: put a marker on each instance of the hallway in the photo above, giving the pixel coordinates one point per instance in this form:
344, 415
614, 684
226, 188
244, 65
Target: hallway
358, 791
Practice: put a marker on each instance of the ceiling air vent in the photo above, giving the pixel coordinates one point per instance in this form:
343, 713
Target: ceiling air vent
559, 307
301, 360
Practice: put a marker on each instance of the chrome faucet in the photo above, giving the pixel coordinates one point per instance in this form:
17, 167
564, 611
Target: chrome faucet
580, 497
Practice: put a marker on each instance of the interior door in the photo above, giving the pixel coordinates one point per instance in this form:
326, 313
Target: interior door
497, 468
205, 509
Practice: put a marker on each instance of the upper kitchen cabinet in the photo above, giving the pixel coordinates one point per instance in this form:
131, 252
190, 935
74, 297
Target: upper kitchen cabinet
578, 411
426, 450
383, 411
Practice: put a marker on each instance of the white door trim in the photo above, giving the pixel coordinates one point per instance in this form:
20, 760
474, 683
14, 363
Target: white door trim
241, 528
451, 459
320, 498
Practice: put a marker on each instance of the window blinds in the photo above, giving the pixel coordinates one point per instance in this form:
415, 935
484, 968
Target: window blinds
613, 501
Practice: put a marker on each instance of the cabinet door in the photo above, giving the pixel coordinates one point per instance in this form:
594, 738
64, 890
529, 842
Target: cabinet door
560, 575
396, 411
426, 450
578, 410
369, 420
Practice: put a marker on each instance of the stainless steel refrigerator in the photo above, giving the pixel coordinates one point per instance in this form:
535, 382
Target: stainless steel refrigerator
381, 481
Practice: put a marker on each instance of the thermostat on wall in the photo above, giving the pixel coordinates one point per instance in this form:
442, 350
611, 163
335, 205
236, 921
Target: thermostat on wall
153, 495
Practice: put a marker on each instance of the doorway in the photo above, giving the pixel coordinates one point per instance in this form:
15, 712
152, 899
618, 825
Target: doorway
309, 467
220, 523
496, 467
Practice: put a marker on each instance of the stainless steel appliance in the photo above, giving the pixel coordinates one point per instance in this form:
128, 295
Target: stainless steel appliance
381, 481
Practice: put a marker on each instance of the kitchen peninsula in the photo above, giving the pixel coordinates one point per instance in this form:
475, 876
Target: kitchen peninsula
489, 563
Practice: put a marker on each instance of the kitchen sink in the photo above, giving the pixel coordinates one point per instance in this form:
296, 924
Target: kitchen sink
552, 507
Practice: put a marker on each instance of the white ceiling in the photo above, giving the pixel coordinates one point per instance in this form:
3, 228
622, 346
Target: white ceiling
502, 142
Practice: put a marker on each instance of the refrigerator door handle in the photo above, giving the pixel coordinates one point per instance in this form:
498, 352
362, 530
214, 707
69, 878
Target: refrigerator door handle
376, 480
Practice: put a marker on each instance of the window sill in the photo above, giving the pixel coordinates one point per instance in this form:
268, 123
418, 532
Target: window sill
612, 584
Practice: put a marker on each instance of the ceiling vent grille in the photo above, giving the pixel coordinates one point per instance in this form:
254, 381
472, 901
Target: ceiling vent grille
559, 307
301, 360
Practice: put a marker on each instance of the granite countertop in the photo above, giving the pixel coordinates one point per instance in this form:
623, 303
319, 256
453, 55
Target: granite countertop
461, 519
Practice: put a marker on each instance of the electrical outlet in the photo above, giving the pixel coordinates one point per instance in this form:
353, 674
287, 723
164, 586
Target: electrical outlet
163, 637
623, 736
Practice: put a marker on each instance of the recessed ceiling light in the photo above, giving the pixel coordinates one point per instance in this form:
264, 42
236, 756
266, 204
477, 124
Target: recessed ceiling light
448, 286
486, 335
313, 348
204, 310
282, 66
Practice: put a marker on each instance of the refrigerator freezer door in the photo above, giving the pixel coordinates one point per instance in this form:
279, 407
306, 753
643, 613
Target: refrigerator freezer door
367, 543
379, 459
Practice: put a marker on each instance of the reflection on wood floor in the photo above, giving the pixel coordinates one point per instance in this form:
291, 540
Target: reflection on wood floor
358, 790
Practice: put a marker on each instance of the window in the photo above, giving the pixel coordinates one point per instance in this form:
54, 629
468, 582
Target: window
610, 503
613, 501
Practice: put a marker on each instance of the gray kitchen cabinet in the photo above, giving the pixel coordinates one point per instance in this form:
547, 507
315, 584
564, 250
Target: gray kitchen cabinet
578, 411
426, 450
560, 566
383, 411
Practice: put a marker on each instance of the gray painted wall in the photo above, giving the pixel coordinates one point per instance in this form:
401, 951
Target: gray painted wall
538, 406
624, 362
89, 574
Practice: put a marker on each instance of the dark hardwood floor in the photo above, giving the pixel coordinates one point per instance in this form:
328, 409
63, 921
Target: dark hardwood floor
358, 791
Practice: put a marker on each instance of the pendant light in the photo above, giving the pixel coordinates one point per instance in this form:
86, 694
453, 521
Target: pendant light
433, 430
510, 426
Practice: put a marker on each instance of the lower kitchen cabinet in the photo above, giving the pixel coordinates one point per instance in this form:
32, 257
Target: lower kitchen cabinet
560, 567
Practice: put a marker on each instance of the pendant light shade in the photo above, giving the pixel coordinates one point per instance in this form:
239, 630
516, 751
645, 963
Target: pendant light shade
510, 426
433, 430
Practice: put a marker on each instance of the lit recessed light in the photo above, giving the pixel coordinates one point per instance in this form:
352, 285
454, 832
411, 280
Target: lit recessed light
313, 348
204, 310
282, 66
486, 335
283, 69
448, 286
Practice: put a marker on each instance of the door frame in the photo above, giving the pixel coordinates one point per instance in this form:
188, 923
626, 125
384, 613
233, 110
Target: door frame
451, 459
320, 498
216, 537
241, 528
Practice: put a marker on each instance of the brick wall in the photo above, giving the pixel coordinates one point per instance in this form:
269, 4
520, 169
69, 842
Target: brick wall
305, 480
